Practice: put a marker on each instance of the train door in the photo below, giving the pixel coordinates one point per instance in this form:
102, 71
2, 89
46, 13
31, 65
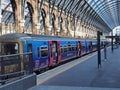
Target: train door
78, 48
55, 55
54, 51
90, 46
58, 51
51, 54
28, 61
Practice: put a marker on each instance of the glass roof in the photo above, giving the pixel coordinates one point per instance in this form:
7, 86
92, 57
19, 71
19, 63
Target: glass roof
86, 12
108, 10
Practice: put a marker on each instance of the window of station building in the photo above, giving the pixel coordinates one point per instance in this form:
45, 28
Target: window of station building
44, 51
9, 48
65, 48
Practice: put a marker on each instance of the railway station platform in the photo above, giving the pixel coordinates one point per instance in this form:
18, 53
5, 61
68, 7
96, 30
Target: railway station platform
83, 74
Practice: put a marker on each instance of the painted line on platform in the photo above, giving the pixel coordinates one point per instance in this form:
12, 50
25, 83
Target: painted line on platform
63, 68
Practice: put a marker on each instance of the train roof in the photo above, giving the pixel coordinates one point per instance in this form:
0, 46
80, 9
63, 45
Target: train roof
23, 36
13, 36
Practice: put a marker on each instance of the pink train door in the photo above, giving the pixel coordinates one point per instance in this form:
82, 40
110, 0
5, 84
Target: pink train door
78, 48
58, 52
50, 53
55, 55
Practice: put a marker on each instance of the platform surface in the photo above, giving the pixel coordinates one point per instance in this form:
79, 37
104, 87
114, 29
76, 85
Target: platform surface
83, 74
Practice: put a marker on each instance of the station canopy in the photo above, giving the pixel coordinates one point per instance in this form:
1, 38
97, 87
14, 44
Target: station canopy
108, 11
80, 9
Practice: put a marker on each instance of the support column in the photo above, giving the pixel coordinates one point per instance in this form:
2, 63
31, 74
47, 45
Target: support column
112, 41
0, 18
34, 5
18, 9
0, 24
99, 51
3, 28
57, 28
11, 28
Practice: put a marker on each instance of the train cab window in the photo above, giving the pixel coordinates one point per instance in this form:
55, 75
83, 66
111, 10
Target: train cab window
9, 48
44, 51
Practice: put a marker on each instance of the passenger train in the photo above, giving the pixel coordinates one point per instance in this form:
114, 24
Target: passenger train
46, 51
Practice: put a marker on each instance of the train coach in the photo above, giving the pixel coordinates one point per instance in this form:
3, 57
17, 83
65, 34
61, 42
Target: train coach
45, 51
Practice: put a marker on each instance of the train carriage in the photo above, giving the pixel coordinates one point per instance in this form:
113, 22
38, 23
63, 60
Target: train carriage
68, 49
45, 51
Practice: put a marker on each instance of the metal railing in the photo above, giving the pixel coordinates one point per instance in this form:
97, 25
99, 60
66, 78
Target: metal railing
15, 65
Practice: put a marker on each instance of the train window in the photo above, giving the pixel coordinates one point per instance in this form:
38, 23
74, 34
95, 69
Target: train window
0, 48
44, 51
62, 50
69, 48
83, 46
9, 48
73, 48
38, 52
65, 48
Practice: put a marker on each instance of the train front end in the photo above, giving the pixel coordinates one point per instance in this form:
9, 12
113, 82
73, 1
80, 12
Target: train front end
10, 56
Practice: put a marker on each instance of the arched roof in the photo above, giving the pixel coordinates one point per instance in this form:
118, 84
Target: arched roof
103, 14
108, 10
82, 10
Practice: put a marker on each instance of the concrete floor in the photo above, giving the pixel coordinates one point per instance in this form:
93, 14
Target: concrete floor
83, 74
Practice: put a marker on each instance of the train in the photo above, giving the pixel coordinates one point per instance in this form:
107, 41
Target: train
46, 51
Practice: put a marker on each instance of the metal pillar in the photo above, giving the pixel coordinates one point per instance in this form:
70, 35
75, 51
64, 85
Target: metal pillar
0, 18
112, 41
0, 11
74, 27
105, 52
98, 47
